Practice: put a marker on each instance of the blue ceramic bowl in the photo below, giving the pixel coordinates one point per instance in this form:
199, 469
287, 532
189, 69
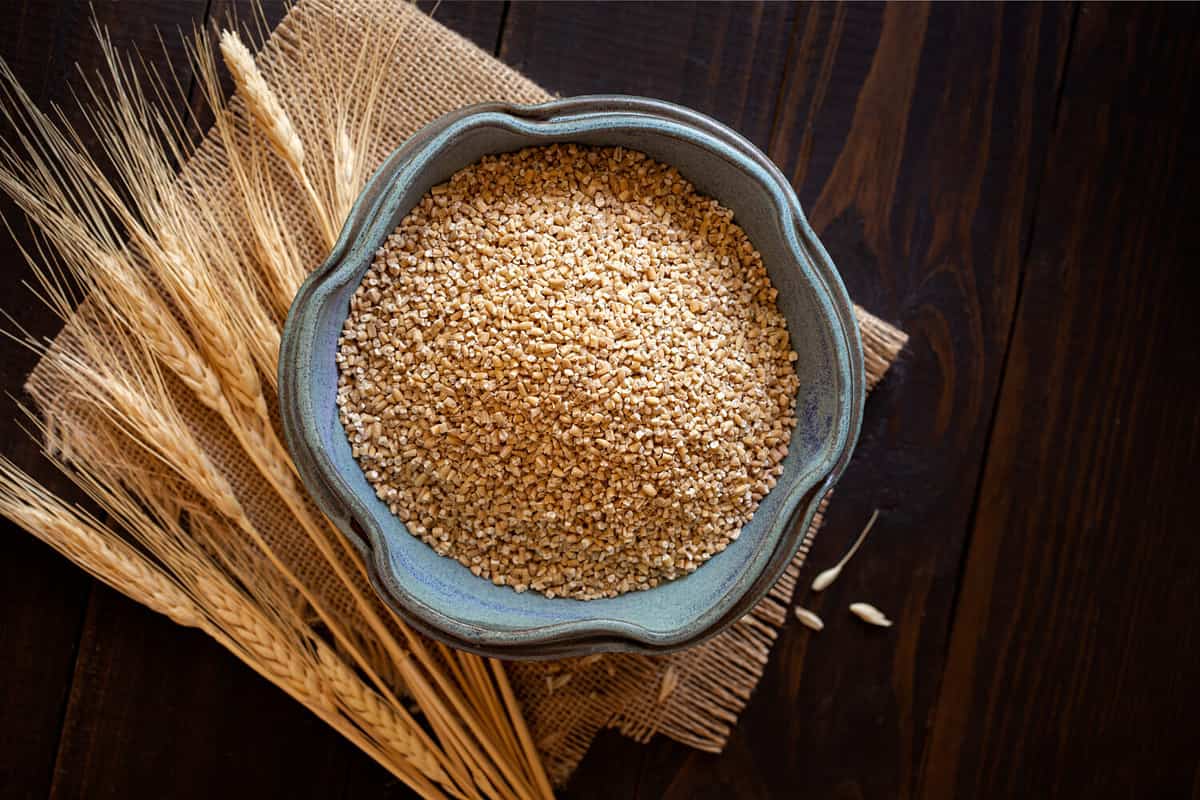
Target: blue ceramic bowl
441, 597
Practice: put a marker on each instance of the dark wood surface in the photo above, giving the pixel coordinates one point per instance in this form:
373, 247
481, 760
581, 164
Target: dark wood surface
1012, 184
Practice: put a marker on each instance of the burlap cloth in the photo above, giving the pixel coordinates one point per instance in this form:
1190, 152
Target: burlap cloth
693, 697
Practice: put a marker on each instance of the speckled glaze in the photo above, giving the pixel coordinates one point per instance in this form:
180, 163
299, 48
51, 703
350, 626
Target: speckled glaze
441, 597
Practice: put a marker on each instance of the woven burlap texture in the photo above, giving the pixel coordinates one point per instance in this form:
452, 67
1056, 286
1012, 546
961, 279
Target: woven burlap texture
693, 697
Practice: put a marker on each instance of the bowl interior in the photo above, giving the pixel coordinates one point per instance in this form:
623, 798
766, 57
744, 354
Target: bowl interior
444, 593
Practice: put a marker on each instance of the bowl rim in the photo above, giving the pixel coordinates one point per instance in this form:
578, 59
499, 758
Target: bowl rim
598, 634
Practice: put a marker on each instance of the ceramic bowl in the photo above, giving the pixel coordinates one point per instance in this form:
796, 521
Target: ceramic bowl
441, 597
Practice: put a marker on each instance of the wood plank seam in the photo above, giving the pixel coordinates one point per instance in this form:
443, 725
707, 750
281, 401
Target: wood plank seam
1043, 170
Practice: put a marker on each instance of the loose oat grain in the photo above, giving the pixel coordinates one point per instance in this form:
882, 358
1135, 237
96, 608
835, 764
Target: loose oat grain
809, 619
566, 369
870, 614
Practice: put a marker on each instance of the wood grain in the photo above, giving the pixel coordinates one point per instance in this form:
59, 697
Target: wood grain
160, 711
479, 22
1075, 636
725, 59
900, 138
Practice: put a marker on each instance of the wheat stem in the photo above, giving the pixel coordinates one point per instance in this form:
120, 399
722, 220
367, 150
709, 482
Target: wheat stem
260, 647
451, 692
514, 709
477, 685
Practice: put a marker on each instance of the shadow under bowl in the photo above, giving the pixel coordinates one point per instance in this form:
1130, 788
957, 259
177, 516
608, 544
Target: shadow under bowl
439, 596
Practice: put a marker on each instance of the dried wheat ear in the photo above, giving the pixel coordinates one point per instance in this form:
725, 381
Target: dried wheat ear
182, 321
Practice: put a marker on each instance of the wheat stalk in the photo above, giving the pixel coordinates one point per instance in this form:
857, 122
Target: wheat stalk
134, 400
240, 401
532, 761
345, 170
274, 249
268, 633
247, 416
159, 330
171, 300
277, 654
115, 377
218, 608
343, 108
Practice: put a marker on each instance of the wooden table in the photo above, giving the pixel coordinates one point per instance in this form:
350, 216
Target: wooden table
1014, 185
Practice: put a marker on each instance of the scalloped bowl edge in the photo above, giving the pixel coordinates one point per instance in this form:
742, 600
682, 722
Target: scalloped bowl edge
428, 594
